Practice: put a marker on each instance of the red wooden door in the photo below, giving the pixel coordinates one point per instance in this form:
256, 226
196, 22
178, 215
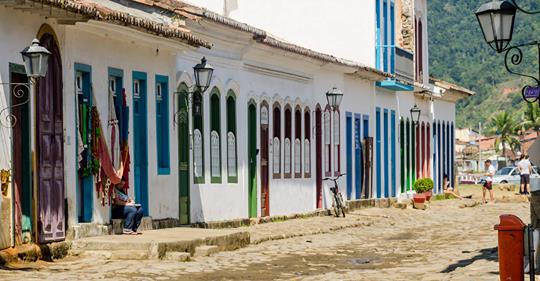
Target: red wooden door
265, 189
50, 148
318, 153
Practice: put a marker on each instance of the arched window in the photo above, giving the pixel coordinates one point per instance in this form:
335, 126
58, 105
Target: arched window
287, 149
297, 142
337, 142
215, 136
327, 142
276, 142
198, 140
232, 161
307, 143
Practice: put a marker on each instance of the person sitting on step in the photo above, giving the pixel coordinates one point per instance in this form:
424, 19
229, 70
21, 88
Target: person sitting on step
448, 189
125, 208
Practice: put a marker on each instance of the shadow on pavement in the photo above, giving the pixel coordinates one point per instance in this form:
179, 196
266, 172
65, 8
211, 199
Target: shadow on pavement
488, 254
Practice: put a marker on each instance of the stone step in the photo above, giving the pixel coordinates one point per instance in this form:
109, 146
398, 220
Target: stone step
155, 244
112, 255
129, 255
177, 256
205, 250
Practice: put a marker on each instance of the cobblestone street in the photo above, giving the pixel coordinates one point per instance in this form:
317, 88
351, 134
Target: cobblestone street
446, 242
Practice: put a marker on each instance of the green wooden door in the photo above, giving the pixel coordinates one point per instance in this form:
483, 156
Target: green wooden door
252, 158
183, 154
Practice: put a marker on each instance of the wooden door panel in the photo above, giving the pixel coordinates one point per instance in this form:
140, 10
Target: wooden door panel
50, 153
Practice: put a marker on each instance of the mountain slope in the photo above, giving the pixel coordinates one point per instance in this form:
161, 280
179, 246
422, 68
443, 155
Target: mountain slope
459, 54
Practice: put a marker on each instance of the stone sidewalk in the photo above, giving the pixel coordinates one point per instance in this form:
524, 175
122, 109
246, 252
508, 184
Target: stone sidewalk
178, 243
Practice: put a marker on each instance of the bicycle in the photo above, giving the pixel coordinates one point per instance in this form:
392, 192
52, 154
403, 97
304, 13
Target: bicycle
338, 203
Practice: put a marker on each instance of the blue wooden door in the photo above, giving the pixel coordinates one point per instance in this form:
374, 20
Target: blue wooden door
378, 152
140, 139
358, 157
386, 154
349, 156
393, 190
85, 190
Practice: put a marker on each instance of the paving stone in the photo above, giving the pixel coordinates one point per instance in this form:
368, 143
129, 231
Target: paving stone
97, 254
129, 255
205, 250
177, 256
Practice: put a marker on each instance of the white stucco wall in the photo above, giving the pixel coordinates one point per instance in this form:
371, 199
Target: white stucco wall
101, 47
255, 72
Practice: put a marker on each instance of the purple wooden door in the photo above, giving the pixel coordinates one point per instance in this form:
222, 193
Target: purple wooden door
50, 148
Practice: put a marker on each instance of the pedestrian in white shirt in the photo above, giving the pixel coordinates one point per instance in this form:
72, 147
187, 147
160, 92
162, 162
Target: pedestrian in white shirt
525, 169
488, 185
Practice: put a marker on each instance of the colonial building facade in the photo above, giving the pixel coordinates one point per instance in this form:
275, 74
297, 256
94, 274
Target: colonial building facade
118, 108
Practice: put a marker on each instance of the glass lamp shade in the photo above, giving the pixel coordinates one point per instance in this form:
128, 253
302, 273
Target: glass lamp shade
36, 59
496, 20
415, 114
203, 75
334, 97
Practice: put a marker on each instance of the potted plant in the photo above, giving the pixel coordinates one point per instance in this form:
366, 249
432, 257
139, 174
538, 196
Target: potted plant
424, 186
418, 201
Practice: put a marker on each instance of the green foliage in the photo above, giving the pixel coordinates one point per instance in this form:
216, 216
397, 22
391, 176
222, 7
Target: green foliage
504, 126
423, 185
531, 118
459, 54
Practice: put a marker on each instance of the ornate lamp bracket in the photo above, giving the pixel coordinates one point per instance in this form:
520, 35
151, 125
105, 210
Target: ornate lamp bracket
514, 58
18, 91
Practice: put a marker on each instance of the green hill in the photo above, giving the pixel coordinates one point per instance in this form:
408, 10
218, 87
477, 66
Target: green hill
459, 54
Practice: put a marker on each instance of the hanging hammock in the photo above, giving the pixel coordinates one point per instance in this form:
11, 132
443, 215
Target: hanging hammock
108, 175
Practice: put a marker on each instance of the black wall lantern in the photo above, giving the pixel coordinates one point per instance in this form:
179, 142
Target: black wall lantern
496, 19
415, 114
203, 73
36, 61
334, 97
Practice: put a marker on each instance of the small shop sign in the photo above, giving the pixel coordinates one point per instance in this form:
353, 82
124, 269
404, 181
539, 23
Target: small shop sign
531, 92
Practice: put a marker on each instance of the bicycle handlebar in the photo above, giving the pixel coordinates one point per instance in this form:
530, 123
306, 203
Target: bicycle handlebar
334, 179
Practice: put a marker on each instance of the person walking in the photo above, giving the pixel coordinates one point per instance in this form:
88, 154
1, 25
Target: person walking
488, 185
525, 168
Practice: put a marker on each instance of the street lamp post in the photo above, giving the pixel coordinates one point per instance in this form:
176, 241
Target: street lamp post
415, 114
36, 59
202, 72
496, 19
334, 97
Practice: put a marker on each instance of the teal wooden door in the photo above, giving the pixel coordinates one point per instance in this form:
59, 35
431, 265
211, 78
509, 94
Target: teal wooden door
140, 138
22, 159
183, 155
252, 158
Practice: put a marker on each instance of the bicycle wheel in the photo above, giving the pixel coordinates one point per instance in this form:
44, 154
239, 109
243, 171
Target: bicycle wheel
341, 204
335, 206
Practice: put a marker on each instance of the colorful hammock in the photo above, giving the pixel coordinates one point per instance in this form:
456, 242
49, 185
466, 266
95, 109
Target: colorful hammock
108, 176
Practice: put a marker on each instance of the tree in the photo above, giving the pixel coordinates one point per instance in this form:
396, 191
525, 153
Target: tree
504, 126
531, 118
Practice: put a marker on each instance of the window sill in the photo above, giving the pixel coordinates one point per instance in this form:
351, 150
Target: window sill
198, 180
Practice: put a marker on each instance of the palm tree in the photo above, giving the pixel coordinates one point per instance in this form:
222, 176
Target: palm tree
504, 126
531, 118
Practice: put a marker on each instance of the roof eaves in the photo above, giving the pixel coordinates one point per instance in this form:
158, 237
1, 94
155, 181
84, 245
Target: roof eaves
449, 86
98, 12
